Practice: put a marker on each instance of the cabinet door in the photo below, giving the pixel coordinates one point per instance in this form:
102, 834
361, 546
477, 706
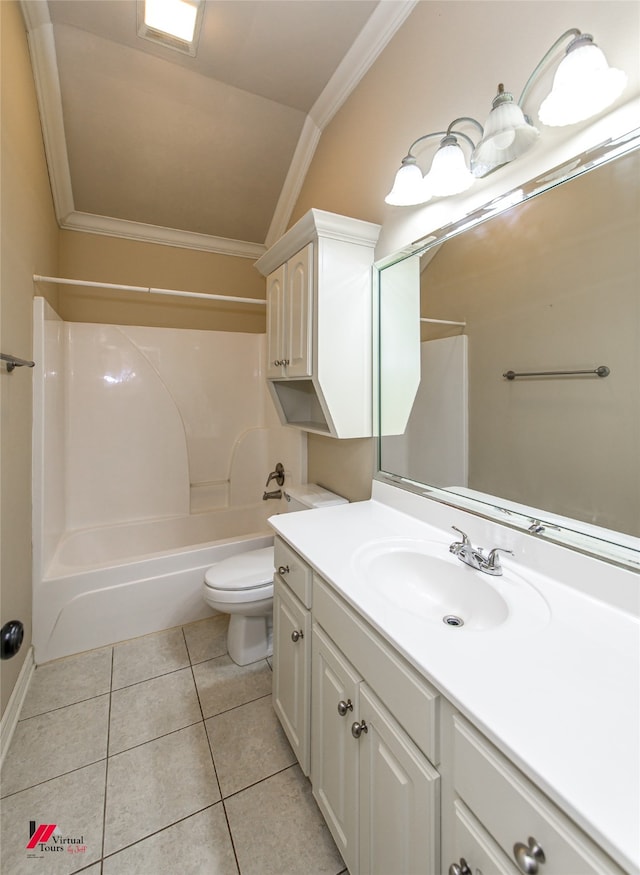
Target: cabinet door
299, 313
399, 798
292, 670
275, 322
334, 751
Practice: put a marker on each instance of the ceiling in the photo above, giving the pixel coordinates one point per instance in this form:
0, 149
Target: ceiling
207, 152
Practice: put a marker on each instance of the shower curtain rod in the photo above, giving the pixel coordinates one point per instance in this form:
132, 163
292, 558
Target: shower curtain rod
442, 321
149, 289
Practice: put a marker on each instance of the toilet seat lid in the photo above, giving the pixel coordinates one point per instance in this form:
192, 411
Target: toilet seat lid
242, 571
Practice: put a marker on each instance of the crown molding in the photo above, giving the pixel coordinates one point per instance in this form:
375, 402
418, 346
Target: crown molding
302, 157
388, 16
317, 224
110, 227
379, 29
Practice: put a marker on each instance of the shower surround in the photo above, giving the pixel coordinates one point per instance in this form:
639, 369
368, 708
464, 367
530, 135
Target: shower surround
151, 448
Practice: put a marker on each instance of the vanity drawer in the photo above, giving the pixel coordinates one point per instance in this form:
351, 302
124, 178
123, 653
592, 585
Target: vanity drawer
411, 700
473, 844
293, 571
511, 809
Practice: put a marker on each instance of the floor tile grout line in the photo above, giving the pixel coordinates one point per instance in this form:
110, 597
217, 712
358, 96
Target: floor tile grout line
235, 707
61, 707
260, 781
152, 678
53, 777
106, 770
213, 762
160, 830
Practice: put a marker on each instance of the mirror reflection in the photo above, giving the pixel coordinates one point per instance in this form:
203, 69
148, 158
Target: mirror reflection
549, 285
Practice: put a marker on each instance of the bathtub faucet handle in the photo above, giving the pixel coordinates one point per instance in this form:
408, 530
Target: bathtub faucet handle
277, 475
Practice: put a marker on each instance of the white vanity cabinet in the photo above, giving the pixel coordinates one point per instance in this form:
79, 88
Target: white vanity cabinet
376, 788
289, 312
319, 324
292, 649
502, 823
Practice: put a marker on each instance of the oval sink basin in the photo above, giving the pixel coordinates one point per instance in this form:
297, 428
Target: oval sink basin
423, 580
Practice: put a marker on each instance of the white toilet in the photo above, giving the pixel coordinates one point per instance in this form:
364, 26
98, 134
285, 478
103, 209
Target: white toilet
242, 585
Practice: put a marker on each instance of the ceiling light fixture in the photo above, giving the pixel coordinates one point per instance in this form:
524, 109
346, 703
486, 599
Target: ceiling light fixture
172, 23
583, 86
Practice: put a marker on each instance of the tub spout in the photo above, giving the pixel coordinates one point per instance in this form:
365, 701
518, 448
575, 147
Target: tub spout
277, 493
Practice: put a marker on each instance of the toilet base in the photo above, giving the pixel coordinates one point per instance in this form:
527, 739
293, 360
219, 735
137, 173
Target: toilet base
249, 639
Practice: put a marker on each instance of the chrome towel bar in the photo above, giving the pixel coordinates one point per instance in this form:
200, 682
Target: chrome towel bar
601, 371
14, 362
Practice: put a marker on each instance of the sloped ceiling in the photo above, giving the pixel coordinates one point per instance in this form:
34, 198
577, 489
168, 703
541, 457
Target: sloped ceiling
211, 151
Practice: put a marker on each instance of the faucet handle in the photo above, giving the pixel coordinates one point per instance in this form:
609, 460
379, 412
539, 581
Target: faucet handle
493, 561
458, 546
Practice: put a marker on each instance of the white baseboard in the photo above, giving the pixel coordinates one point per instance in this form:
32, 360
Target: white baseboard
14, 705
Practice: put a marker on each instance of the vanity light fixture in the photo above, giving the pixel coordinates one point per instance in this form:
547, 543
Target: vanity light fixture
584, 83
172, 23
448, 174
583, 86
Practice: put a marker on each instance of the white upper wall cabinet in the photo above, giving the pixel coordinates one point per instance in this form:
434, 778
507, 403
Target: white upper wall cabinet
319, 324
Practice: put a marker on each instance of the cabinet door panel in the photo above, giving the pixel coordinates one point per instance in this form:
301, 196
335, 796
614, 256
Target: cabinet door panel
292, 670
275, 321
399, 798
299, 313
334, 752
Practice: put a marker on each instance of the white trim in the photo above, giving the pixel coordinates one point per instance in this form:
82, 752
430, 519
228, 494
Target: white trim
110, 227
14, 705
305, 150
388, 16
317, 223
44, 62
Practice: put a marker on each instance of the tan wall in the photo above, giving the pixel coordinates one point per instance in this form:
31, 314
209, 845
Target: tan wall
445, 61
29, 245
130, 262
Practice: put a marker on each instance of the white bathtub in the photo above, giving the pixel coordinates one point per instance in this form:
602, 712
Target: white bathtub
108, 584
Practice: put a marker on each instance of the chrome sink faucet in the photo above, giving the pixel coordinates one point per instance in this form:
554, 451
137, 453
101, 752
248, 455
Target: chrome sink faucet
475, 557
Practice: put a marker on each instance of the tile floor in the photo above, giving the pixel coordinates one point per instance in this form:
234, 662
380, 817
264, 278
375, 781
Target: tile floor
158, 755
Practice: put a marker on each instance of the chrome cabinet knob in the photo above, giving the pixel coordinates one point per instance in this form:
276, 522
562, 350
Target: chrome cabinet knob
343, 707
283, 569
528, 856
461, 868
297, 635
358, 728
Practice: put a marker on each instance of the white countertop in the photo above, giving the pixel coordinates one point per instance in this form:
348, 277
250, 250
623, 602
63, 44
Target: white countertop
561, 699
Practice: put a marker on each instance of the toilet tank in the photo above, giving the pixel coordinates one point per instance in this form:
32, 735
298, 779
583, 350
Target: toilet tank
310, 495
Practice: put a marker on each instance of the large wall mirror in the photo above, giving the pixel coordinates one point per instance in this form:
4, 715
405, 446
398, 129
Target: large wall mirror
509, 350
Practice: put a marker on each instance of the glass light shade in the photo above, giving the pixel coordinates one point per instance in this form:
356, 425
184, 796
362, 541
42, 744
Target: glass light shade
409, 186
507, 135
583, 86
449, 173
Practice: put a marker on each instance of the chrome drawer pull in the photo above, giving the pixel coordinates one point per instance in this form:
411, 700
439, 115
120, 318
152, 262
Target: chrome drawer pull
283, 569
343, 707
358, 728
296, 636
460, 869
528, 856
